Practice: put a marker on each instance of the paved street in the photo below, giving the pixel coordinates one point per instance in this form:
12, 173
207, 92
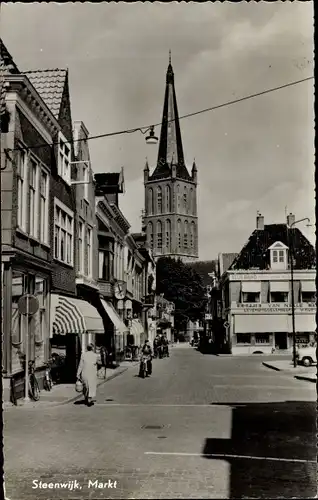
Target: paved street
201, 427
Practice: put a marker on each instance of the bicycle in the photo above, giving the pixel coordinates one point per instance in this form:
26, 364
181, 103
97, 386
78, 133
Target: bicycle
48, 382
34, 390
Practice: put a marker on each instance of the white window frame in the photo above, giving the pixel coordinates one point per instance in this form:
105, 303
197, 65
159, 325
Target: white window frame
44, 217
81, 236
22, 189
89, 244
255, 294
68, 230
86, 176
64, 160
278, 256
33, 208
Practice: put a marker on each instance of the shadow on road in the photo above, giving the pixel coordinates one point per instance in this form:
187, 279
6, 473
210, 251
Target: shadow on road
278, 430
80, 402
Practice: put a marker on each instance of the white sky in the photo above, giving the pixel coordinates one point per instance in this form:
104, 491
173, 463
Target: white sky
255, 155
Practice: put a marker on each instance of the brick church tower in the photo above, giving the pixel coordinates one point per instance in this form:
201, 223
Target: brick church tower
170, 215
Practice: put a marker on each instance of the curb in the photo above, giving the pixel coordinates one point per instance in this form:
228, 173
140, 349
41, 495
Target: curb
309, 379
271, 366
74, 398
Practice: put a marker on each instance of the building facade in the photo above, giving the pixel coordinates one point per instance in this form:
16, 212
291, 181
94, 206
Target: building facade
26, 246
170, 214
257, 287
72, 318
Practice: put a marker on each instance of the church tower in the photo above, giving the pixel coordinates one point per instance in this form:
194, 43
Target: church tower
170, 215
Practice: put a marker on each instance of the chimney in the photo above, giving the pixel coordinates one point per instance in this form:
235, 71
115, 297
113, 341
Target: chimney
290, 219
259, 221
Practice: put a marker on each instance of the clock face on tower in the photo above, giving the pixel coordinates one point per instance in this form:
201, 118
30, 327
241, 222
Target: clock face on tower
120, 290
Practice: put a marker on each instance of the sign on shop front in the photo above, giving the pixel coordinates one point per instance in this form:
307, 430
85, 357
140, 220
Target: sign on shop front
302, 276
274, 308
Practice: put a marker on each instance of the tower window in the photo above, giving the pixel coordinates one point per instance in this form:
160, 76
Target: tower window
159, 234
179, 233
150, 234
168, 199
150, 201
185, 200
159, 200
168, 234
185, 236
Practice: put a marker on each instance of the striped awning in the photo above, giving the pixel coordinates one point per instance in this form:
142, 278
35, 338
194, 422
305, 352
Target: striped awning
70, 315
119, 325
136, 327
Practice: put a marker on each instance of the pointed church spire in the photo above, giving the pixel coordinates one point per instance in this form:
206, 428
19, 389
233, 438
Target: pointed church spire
170, 145
146, 164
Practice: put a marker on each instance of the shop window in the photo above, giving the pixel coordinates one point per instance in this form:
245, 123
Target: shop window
262, 338
302, 338
308, 297
279, 297
243, 338
18, 289
251, 297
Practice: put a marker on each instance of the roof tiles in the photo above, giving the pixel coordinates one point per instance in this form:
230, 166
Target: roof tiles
50, 86
255, 254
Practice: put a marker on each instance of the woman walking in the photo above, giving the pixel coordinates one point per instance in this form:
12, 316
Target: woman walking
87, 373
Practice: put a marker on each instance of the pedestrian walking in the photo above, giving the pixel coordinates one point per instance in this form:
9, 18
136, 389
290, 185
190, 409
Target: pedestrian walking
87, 374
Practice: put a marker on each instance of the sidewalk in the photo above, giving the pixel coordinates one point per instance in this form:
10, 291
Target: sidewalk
62, 394
287, 366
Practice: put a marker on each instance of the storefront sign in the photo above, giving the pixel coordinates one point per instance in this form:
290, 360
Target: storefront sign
261, 276
250, 308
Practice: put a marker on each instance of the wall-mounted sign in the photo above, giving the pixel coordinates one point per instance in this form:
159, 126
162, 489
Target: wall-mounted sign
273, 276
272, 308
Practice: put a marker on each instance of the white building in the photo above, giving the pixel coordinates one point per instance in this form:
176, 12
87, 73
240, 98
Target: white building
257, 291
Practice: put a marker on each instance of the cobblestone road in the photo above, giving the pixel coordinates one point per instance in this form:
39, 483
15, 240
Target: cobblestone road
200, 427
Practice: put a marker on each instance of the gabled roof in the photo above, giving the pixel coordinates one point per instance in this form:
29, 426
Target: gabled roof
225, 260
50, 85
203, 268
256, 254
170, 146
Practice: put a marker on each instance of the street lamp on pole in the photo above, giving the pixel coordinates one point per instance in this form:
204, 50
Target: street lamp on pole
291, 252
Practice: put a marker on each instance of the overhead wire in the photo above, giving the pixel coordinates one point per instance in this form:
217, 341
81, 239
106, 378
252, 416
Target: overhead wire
145, 129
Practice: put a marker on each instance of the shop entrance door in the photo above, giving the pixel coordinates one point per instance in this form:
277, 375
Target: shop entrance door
281, 340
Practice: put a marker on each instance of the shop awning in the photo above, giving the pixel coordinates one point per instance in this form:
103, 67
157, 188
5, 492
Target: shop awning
279, 286
270, 323
71, 315
251, 286
114, 317
136, 327
308, 286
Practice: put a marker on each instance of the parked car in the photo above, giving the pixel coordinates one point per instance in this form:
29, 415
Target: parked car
307, 355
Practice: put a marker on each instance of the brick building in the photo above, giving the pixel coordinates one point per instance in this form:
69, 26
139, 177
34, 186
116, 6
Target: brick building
170, 214
26, 241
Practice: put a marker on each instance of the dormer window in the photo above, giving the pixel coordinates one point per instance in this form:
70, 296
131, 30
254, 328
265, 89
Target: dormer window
278, 256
